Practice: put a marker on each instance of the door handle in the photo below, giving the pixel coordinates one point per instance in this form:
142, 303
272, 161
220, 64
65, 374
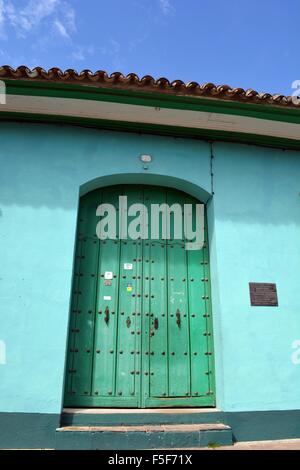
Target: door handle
178, 319
106, 319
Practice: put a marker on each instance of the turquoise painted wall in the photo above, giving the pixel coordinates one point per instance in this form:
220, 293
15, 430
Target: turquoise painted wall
42, 170
254, 220
255, 227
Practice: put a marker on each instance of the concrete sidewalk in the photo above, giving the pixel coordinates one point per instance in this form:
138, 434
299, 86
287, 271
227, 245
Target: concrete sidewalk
286, 444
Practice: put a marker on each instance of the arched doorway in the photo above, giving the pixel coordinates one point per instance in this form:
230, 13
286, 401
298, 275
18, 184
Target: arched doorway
140, 327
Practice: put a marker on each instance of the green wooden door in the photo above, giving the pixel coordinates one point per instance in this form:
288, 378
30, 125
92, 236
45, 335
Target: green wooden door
140, 326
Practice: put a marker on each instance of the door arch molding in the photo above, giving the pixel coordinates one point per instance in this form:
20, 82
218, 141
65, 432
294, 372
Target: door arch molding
144, 178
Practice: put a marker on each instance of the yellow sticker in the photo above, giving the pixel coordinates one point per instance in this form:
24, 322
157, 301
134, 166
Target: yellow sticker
129, 288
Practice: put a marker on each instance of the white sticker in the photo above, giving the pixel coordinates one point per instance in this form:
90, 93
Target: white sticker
108, 275
128, 266
107, 297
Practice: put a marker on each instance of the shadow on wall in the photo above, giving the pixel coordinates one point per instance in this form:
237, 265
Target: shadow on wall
256, 185
45, 165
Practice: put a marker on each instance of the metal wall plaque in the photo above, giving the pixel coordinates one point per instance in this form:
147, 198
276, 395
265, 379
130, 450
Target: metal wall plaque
263, 294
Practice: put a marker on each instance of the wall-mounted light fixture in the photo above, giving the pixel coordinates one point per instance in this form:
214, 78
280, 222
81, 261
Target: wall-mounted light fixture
146, 158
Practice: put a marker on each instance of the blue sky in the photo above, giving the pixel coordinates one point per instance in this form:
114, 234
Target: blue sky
237, 42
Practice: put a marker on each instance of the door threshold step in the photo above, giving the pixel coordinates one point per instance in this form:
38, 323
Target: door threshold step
158, 436
139, 410
139, 416
147, 428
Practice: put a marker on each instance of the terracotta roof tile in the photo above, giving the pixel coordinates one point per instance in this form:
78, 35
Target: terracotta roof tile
148, 83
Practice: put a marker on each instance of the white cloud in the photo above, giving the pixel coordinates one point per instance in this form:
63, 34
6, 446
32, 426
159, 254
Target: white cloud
115, 46
2, 19
35, 13
165, 7
81, 52
61, 29
78, 54
1, 11
112, 49
69, 16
